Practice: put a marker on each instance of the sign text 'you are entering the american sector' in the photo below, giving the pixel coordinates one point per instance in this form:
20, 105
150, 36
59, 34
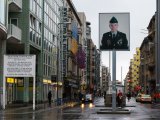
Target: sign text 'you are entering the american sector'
19, 65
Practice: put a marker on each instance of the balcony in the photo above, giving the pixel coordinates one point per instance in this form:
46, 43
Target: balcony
15, 5
14, 34
3, 32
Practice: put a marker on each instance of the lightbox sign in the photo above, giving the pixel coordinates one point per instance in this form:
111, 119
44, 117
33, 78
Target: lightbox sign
114, 31
19, 65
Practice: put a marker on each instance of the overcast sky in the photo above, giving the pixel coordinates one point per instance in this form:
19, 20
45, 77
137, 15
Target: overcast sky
141, 11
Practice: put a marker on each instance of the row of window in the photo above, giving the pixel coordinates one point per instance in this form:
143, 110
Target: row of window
47, 70
35, 24
51, 16
50, 47
50, 36
36, 7
35, 37
35, 31
51, 23
50, 31
49, 64
51, 6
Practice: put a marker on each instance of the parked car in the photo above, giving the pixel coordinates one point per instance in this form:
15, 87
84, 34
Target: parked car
138, 97
146, 98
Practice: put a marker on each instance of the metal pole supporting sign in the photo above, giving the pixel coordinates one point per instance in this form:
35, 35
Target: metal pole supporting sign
113, 80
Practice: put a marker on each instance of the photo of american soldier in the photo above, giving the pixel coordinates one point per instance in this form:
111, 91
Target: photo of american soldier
114, 39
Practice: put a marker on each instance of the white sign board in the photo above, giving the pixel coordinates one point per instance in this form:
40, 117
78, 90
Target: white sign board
19, 65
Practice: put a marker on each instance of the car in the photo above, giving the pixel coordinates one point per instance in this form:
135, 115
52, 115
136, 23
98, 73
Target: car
138, 97
88, 98
146, 98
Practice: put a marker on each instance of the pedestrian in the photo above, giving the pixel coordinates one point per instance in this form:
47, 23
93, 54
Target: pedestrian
128, 96
104, 94
119, 98
49, 98
114, 39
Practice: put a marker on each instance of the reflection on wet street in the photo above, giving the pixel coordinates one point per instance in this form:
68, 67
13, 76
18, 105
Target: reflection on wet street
85, 112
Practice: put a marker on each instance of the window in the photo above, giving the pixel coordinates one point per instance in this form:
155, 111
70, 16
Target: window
2, 9
32, 22
20, 82
14, 21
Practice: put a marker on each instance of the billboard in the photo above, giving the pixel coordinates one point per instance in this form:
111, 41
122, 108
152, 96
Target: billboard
114, 31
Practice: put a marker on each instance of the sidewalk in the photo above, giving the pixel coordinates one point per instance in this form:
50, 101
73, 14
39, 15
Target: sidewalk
38, 108
131, 102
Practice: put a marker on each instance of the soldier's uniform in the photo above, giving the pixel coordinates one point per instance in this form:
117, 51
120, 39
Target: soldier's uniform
114, 41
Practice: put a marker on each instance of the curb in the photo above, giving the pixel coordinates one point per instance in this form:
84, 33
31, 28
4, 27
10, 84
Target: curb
116, 111
113, 112
41, 109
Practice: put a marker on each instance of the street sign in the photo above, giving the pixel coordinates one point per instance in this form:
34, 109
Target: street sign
19, 65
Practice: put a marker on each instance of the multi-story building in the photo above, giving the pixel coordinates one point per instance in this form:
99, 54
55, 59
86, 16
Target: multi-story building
3, 36
135, 70
90, 65
152, 56
52, 30
129, 77
73, 53
80, 53
147, 60
88, 38
53, 33
36, 33
83, 82
97, 70
132, 77
105, 79
126, 83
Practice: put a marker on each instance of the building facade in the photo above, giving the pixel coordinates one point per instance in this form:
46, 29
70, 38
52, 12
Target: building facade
3, 37
60, 37
37, 33
105, 80
147, 63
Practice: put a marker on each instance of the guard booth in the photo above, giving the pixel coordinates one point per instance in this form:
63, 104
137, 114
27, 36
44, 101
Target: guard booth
108, 96
122, 89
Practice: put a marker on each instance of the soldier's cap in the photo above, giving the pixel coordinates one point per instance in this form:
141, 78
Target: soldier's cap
113, 20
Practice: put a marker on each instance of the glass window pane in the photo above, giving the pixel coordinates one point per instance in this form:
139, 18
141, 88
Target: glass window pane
2, 9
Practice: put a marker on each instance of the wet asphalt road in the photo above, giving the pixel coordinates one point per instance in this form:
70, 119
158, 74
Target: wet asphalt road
87, 112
